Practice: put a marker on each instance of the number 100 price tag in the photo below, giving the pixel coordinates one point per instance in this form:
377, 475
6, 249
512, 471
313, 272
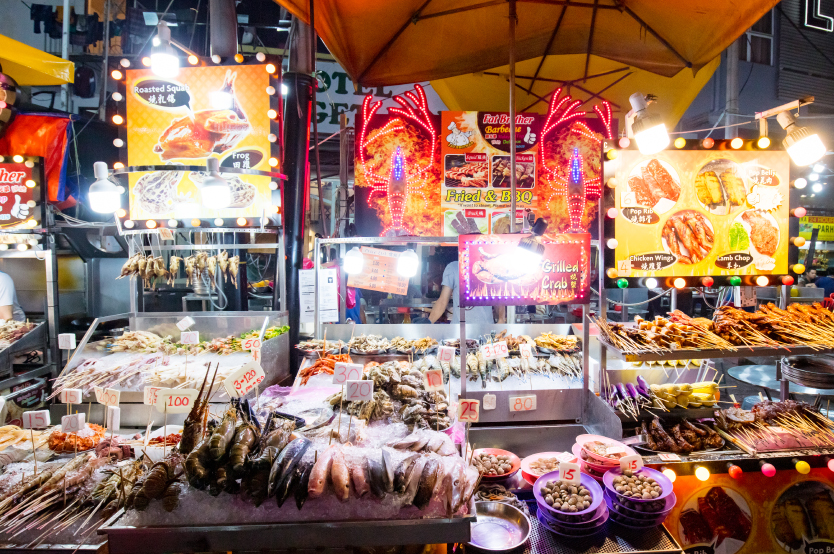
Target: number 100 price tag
244, 379
359, 391
569, 473
176, 401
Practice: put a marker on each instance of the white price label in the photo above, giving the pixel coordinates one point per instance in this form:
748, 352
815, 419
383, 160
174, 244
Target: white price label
526, 351
66, 341
359, 391
185, 323
114, 418
166, 234
490, 401
70, 396
469, 411
565, 457
109, 397
570, 473
634, 462
495, 350
256, 354
244, 379
526, 403
446, 354
668, 456
190, 337
250, 343
150, 395
36, 420
433, 379
344, 372
72, 423
176, 401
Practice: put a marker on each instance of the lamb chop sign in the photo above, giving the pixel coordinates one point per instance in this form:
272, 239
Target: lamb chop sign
498, 270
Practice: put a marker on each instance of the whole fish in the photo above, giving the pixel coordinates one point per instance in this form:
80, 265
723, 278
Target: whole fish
285, 463
358, 476
340, 476
435, 442
421, 442
407, 442
387, 471
288, 485
428, 479
402, 472
320, 473
414, 479
470, 478
376, 481
276, 441
301, 491
447, 448
447, 487
454, 492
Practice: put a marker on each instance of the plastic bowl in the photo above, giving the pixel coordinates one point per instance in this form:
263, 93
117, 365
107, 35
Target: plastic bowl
585, 456
586, 480
573, 532
593, 469
514, 460
525, 463
591, 521
623, 507
598, 459
620, 519
665, 484
634, 518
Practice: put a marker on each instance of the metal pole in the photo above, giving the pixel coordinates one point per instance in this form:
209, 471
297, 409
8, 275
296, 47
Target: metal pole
512, 115
316, 266
673, 300
586, 359
52, 315
65, 54
731, 96
102, 104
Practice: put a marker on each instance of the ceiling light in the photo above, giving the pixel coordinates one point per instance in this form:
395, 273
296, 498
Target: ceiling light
649, 131
216, 192
803, 146
813, 176
103, 194
819, 168
164, 61
530, 249
800, 183
408, 263
354, 261
817, 187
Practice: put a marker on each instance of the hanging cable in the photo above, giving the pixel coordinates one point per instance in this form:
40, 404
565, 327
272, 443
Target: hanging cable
661, 295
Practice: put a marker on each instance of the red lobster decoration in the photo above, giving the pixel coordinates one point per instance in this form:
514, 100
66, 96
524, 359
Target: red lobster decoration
403, 179
576, 188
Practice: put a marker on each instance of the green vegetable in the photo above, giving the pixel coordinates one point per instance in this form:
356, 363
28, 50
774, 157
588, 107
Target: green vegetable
738, 237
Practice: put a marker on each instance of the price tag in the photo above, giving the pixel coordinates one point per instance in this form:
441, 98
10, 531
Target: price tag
446, 354
250, 343
359, 391
150, 396
176, 401
185, 323
469, 411
495, 350
490, 401
66, 341
36, 420
109, 397
525, 403
166, 234
344, 372
256, 354
244, 379
433, 379
72, 423
70, 396
570, 473
114, 417
565, 457
190, 337
633, 462
669, 457
526, 351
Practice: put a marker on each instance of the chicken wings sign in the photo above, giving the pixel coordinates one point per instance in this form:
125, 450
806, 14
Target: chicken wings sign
494, 271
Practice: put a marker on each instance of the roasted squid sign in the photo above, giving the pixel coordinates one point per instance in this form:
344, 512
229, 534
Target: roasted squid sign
493, 271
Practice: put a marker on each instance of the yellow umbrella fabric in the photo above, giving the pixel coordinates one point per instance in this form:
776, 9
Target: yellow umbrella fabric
607, 79
385, 42
29, 66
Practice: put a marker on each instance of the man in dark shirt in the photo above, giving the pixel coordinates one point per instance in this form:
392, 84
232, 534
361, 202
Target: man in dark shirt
826, 282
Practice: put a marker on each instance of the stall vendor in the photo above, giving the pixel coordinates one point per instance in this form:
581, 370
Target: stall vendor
450, 289
9, 308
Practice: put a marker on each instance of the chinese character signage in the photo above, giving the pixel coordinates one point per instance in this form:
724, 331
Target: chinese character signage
213, 111
457, 168
20, 193
379, 272
495, 270
696, 213
825, 225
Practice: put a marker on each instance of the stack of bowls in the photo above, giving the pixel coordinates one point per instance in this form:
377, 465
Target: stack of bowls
582, 523
597, 465
639, 513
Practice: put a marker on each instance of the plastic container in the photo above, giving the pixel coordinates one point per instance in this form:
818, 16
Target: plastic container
662, 480
565, 531
622, 506
586, 480
637, 519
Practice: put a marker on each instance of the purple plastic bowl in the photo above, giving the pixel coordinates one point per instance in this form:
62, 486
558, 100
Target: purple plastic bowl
584, 479
592, 521
645, 521
665, 483
620, 519
571, 532
669, 503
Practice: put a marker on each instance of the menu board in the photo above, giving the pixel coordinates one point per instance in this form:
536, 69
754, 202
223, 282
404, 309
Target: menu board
379, 272
213, 111
825, 224
19, 193
493, 272
696, 213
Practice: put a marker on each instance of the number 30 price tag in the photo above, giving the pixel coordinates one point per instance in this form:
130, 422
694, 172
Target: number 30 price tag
244, 379
633, 462
359, 391
469, 411
343, 373
176, 401
569, 473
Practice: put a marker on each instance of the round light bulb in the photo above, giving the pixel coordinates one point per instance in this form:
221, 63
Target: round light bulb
798, 241
118, 120
354, 261
31, 203
735, 471
239, 58
680, 142
736, 143
762, 281
708, 142
612, 213
117, 96
260, 56
30, 183
702, 473
30, 164
817, 187
271, 114
218, 221
273, 162
651, 283
17, 158
33, 223
118, 165
799, 212
270, 90
22, 247
124, 62
787, 280
270, 68
118, 143
612, 243
707, 281
4, 246
611, 183
680, 283
116, 74
172, 223
611, 154
624, 142
195, 222
803, 467
670, 474
830, 464
768, 470
800, 183
193, 60
216, 59
146, 61
734, 280
121, 212
763, 142
813, 177
150, 224
622, 283
273, 185
241, 222
129, 224
408, 263
799, 269
272, 137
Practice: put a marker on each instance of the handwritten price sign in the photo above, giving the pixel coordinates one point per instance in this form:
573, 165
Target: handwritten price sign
176, 401
70, 396
185, 323
72, 423
469, 411
250, 343
526, 351
433, 380
66, 341
633, 462
244, 379
446, 354
109, 397
495, 350
150, 396
343, 373
190, 337
36, 420
359, 391
523, 403
114, 418
569, 473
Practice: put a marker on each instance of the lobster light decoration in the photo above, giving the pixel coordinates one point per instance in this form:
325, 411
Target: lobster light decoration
576, 188
404, 179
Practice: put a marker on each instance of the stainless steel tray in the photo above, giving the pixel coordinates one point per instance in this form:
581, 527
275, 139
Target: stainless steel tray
36, 338
699, 354
614, 539
52, 548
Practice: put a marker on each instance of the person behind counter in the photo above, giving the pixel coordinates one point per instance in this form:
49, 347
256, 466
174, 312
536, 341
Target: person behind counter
450, 289
808, 278
9, 308
826, 282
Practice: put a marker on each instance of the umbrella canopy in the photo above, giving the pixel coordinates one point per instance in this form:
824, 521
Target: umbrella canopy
32, 67
607, 80
380, 42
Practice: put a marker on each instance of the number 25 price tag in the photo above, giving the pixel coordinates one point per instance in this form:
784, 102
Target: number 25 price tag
469, 411
495, 350
176, 401
633, 462
244, 379
569, 473
433, 379
343, 373
359, 391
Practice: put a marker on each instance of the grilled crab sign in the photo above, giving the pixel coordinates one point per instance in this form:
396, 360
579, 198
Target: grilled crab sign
494, 271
